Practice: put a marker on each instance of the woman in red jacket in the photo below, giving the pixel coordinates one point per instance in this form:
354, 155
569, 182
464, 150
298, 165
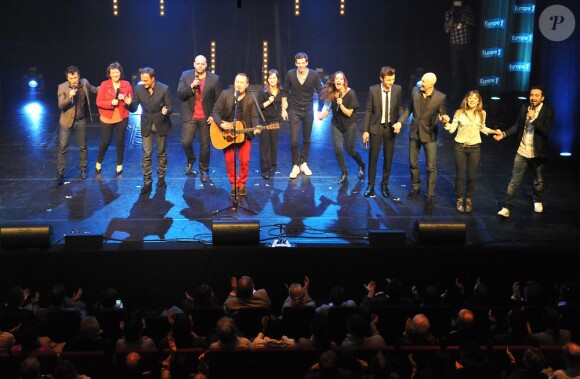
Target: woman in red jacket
113, 100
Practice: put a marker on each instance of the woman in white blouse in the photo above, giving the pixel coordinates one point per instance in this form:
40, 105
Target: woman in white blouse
469, 121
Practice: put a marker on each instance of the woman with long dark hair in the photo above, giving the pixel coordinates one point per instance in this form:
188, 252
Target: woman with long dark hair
270, 100
343, 103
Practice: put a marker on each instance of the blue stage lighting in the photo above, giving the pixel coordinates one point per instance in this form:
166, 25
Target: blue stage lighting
32, 83
565, 154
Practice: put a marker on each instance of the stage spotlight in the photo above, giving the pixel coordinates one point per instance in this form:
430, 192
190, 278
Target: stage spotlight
161, 7
342, 7
565, 154
296, 7
115, 8
265, 61
33, 81
495, 98
212, 57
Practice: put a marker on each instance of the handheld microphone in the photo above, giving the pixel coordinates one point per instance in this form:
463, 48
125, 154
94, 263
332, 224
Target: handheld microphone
72, 98
196, 78
338, 105
117, 93
237, 94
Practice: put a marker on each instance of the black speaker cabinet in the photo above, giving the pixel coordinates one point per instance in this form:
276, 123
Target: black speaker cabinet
227, 232
440, 233
83, 241
26, 236
386, 238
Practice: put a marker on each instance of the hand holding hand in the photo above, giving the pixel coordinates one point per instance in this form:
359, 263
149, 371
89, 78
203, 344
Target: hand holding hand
284, 115
164, 110
365, 137
397, 127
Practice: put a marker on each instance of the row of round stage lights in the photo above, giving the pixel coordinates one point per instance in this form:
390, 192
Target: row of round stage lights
161, 7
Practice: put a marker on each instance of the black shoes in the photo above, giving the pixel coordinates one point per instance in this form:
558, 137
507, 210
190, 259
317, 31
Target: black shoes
429, 203
189, 168
161, 182
343, 179
83, 174
413, 194
204, 176
59, 179
361, 172
370, 192
385, 191
146, 188
266, 175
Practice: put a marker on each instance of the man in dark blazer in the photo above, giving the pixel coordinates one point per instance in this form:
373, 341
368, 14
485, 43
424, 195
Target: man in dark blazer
384, 107
198, 90
224, 114
428, 107
156, 106
75, 106
533, 126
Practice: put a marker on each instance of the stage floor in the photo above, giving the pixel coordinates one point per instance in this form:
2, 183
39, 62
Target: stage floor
306, 210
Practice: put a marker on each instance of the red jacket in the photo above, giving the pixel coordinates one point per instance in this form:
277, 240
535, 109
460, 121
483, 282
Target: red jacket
107, 93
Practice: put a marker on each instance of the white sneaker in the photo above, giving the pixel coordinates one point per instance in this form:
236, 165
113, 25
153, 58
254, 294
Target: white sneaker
538, 207
304, 168
504, 212
295, 171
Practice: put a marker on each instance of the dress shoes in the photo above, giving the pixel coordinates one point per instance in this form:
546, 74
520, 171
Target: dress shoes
161, 182
83, 174
370, 192
361, 171
234, 191
242, 191
429, 203
413, 194
146, 188
189, 168
343, 179
204, 176
385, 192
59, 179
266, 175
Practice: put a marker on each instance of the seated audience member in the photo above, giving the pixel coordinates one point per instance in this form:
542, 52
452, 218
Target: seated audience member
533, 365
327, 367
133, 337
298, 295
417, 332
243, 295
108, 299
90, 338
29, 342
30, 368
319, 339
336, 298
518, 332
552, 334
393, 295
465, 330
272, 335
7, 340
571, 355
362, 334
180, 335
473, 365
203, 296
66, 370
226, 331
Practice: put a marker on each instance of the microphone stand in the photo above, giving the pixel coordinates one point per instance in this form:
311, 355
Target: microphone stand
234, 207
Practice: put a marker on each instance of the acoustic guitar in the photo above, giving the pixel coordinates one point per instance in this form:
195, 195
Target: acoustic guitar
220, 138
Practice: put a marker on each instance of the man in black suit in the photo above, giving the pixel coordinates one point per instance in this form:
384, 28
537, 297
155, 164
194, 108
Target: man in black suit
156, 106
384, 106
533, 126
428, 108
198, 90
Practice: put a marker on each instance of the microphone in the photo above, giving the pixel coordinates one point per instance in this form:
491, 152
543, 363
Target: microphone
367, 145
196, 77
72, 98
117, 93
237, 94
337, 105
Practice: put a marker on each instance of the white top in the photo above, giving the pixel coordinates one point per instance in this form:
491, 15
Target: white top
468, 128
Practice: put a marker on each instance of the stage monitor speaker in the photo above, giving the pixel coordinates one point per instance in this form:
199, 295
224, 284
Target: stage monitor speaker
83, 241
227, 232
387, 238
440, 233
26, 236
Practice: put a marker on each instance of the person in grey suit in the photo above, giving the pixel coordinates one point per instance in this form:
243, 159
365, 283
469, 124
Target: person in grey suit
75, 106
381, 126
428, 107
156, 107
198, 90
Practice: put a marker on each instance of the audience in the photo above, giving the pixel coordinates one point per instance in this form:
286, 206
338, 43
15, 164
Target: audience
298, 295
571, 355
243, 295
228, 338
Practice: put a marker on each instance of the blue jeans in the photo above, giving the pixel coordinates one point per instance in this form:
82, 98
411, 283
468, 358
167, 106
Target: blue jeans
466, 159
521, 164
431, 161
161, 156
295, 118
190, 129
347, 139
80, 129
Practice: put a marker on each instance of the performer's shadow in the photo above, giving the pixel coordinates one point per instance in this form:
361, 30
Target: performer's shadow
298, 204
146, 218
83, 204
200, 202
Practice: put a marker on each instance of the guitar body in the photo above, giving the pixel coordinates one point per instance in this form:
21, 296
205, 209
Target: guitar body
220, 139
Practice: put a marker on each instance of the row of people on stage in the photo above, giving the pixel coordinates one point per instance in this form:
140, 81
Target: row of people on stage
211, 112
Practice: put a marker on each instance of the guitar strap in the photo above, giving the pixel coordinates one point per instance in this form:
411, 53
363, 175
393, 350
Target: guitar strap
257, 106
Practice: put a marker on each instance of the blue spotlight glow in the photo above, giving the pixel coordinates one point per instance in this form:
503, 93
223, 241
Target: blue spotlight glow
33, 109
496, 98
32, 83
565, 154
